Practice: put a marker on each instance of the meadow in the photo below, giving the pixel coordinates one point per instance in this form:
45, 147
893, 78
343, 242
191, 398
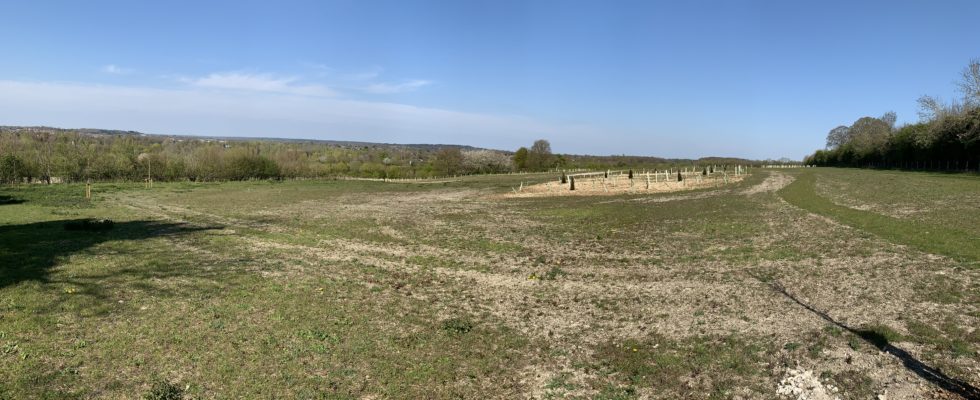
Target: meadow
819, 282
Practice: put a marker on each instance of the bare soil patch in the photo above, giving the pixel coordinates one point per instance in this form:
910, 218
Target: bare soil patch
775, 181
617, 184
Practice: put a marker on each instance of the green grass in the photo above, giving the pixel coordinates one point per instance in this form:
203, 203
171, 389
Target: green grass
655, 361
357, 289
925, 236
150, 307
940, 199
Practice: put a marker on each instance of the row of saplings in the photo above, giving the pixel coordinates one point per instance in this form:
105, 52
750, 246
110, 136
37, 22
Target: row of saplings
571, 179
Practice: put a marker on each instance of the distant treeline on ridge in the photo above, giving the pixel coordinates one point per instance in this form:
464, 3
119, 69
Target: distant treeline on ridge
41, 154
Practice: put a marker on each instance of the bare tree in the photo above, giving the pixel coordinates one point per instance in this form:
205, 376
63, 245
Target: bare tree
838, 136
541, 146
889, 118
539, 156
930, 108
933, 108
969, 84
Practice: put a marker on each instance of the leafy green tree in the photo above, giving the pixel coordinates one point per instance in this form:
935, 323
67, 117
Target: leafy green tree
520, 159
12, 169
249, 166
449, 161
869, 135
561, 161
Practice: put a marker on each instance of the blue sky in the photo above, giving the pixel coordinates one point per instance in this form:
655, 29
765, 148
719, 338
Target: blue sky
757, 79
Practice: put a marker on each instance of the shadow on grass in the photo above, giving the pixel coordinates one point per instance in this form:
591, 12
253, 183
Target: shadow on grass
878, 340
7, 200
29, 251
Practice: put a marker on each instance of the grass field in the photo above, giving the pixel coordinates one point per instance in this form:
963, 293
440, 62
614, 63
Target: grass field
846, 283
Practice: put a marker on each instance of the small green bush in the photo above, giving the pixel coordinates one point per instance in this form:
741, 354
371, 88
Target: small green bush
457, 326
12, 169
252, 167
164, 390
553, 273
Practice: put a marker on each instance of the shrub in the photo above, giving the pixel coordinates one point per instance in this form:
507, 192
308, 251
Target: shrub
553, 273
163, 390
457, 326
252, 167
12, 169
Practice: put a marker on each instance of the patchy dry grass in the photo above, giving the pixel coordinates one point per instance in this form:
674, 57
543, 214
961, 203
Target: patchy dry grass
360, 289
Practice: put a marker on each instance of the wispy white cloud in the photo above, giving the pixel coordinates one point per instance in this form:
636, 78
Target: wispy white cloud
388, 88
266, 110
366, 75
116, 70
319, 70
317, 66
366, 80
260, 83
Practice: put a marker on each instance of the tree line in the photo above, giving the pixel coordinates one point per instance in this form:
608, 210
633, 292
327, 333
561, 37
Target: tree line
55, 155
46, 155
31, 154
540, 158
947, 135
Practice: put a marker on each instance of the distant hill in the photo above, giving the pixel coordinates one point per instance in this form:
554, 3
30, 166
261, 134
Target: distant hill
597, 160
725, 160
623, 161
336, 143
